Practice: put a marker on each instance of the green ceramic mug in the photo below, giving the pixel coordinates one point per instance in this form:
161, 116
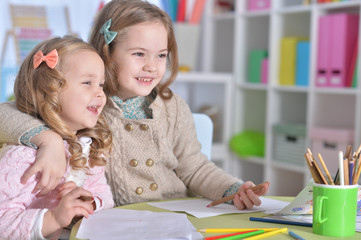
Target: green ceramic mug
334, 210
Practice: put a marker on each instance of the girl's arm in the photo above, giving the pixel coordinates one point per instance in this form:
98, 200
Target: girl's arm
18, 127
97, 185
14, 124
17, 220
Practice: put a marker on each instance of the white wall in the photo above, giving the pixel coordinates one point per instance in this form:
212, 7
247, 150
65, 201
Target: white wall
81, 16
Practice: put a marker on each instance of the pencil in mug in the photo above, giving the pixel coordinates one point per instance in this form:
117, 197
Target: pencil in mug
357, 174
317, 168
330, 180
231, 197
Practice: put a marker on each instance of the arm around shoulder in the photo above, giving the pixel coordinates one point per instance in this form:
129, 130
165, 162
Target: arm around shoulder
14, 123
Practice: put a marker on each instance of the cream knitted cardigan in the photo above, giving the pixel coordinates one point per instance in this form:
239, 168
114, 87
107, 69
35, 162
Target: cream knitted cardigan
152, 159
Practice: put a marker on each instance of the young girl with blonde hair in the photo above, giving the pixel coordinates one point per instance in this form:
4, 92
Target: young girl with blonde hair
156, 154
60, 83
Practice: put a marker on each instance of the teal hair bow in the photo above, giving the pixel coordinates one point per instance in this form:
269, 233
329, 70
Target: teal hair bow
108, 35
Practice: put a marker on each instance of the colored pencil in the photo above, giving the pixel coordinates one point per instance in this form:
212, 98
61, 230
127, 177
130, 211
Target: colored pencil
350, 172
295, 236
231, 197
226, 235
340, 168
267, 234
243, 235
233, 230
310, 167
318, 171
346, 171
357, 175
287, 222
326, 170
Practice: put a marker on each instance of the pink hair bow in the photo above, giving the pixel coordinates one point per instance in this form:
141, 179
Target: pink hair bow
51, 59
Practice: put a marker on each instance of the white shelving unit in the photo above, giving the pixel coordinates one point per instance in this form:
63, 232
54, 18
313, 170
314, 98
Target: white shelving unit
227, 41
214, 90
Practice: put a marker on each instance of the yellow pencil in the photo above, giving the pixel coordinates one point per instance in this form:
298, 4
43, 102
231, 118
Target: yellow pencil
267, 234
231, 230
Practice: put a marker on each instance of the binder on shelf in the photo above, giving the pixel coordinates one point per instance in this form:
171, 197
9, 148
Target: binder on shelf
351, 81
344, 31
197, 11
264, 71
255, 65
288, 60
323, 48
255, 5
337, 41
181, 11
355, 75
302, 63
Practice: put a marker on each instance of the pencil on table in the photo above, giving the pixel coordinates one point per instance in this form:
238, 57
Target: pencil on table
267, 234
227, 235
326, 170
233, 230
231, 197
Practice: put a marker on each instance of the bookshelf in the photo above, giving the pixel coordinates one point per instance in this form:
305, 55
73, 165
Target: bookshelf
227, 40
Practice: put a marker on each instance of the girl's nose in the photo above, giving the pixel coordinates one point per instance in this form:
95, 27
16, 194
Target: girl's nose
150, 65
100, 92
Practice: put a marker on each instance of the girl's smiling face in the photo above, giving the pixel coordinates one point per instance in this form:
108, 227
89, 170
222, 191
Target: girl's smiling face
141, 59
82, 98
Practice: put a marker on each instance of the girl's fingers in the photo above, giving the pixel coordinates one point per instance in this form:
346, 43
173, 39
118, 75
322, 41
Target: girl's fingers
238, 203
253, 198
246, 200
29, 173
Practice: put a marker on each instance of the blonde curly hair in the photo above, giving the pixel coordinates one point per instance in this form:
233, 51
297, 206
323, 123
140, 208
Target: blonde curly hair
37, 93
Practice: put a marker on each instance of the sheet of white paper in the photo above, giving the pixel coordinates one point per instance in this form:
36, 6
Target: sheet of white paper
199, 209
133, 224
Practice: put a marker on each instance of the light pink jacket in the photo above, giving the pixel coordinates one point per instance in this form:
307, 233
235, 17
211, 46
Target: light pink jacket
19, 206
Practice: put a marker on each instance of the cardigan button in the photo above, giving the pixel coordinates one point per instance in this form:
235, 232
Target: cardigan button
129, 127
144, 127
153, 186
133, 163
149, 162
139, 190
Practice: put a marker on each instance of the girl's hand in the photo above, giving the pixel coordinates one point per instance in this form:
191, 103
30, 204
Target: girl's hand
246, 198
50, 162
65, 188
70, 206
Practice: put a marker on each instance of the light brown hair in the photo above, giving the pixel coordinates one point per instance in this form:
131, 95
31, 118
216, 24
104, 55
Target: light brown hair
123, 14
37, 93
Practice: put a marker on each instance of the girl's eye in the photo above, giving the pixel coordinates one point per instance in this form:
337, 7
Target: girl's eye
162, 55
139, 54
101, 85
88, 82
